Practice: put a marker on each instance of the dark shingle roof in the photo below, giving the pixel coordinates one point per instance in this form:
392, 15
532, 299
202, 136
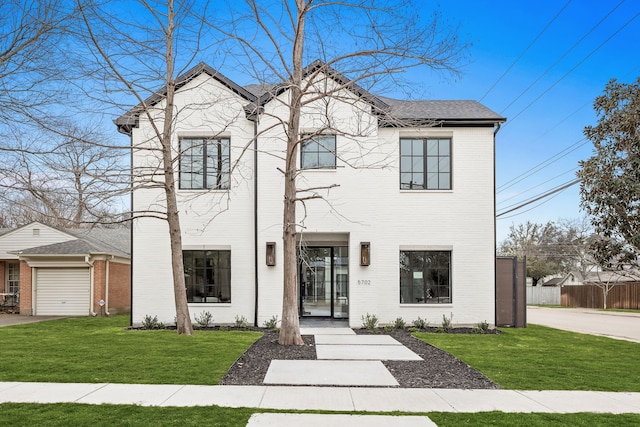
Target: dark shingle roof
393, 112
97, 241
441, 110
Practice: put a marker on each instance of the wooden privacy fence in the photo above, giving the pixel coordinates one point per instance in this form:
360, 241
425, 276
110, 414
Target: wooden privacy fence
625, 295
545, 295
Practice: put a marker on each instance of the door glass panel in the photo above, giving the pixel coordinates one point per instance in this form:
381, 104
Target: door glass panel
341, 282
315, 283
324, 282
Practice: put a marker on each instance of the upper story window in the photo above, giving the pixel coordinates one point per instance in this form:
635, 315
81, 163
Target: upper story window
318, 152
425, 164
204, 163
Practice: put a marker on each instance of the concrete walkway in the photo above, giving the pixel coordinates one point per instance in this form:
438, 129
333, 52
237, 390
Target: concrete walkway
345, 399
343, 359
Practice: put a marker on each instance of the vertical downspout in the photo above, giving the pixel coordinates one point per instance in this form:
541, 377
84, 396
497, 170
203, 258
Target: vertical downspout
255, 217
131, 235
495, 230
106, 287
92, 284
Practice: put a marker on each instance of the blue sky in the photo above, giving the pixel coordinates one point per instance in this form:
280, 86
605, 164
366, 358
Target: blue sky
567, 66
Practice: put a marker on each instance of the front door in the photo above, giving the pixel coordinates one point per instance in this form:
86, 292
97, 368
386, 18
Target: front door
324, 281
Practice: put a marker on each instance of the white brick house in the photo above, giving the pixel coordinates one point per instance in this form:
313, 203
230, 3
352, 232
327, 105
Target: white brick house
412, 191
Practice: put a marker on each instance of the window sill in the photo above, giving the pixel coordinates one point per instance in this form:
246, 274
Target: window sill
426, 191
216, 304
319, 170
448, 304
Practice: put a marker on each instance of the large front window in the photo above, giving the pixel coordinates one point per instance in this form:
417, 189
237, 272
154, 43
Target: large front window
425, 164
207, 275
425, 277
204, 163
318, 152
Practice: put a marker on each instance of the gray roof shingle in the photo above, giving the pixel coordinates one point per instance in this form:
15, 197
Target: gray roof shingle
97, 241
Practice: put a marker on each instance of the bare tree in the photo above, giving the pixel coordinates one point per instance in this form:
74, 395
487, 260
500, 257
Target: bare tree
63, 179
361, 45
133, 57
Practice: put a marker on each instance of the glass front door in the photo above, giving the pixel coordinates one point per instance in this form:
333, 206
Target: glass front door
324, 281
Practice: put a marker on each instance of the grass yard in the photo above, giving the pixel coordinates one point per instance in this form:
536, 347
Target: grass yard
100, 349
541, 358
19, 414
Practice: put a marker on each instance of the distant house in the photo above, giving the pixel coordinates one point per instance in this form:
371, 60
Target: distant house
411, 236
576, 278
47, 271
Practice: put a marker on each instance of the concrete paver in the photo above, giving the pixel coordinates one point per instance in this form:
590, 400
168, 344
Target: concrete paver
356, 339
565, 401
323, 420
230, 396
311, 398
137, 394
326, 331
489, 400
329, 372
399, 399
365, 352
34, 392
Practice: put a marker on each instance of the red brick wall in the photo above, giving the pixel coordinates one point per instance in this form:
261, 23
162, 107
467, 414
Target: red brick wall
119, 298
26, 305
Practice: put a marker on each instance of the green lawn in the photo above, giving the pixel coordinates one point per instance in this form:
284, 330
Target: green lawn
541, 358
20, 414
100, 349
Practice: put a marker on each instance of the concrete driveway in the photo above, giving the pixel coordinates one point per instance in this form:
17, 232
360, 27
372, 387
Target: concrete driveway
17, 319
618, 325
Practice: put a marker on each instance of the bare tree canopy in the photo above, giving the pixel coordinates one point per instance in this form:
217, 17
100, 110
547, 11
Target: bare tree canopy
610, 188
369, 44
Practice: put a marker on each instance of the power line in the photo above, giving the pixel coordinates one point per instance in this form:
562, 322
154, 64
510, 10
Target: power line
535, 186
526, 49
574, 67
547, 194
564, 55
570, 149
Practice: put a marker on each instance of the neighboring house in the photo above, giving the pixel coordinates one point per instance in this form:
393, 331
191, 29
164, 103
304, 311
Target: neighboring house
409, 230
576, 278
47, 271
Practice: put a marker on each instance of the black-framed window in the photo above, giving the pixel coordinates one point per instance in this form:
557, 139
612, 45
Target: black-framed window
204, 163
425, 277
318, 152
425, 164
207, 276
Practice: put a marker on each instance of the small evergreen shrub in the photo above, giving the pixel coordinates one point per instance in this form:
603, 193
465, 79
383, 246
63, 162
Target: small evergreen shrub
149, 322
447, 322
399, 323
242, 322
272, 323
421, 323
370, 322
204, 319
481, 327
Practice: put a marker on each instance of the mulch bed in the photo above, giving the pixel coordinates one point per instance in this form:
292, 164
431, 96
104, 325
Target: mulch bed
439, 369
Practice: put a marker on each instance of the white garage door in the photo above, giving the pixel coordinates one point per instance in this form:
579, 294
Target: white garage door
62, 291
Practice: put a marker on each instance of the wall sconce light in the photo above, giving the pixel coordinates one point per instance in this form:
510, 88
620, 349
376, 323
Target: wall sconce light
271, 253
365, 253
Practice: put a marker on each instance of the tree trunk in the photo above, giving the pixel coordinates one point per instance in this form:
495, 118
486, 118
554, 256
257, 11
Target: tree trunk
183, 319
290, 326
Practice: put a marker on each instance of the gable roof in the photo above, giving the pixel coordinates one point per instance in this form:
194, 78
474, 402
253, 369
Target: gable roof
130, 119
88, 242
398, 112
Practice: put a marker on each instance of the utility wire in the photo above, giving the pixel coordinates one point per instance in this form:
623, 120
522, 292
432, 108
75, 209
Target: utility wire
564, 55
573, 68
547, 194
526, 49
534, 187
537, 168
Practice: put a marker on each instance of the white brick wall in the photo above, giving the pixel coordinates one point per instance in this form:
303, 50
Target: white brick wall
367, 206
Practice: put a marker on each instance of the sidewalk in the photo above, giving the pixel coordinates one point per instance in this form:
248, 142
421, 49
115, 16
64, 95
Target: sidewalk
345, 399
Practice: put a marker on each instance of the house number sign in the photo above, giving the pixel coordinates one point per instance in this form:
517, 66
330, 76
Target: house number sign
364, 282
